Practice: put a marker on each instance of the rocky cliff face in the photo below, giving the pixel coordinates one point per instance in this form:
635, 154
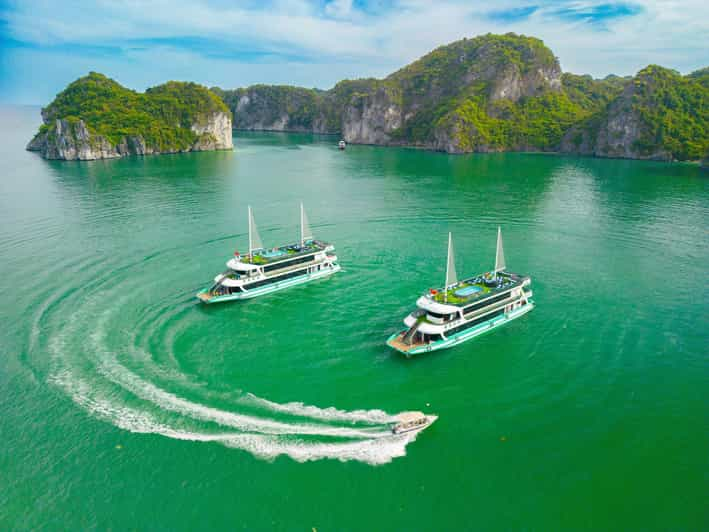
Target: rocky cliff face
213, 132
417, 105
660, 115
420, 103
277, 108
614, 132
372, 119
611, 133
497, 93
72, 140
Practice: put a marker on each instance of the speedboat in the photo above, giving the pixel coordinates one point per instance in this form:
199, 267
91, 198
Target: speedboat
412, 422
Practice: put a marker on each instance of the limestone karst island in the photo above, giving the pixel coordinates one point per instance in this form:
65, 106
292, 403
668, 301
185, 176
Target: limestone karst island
485, 94
97, 118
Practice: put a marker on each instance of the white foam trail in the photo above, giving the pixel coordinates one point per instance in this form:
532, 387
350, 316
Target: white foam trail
264, 438
378, 417
168, 401
372, 451
109, 366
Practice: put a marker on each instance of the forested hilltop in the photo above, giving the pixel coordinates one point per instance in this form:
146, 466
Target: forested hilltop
97, 118
496, 93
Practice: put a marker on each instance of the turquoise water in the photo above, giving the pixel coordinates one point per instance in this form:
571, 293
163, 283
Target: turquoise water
125, 404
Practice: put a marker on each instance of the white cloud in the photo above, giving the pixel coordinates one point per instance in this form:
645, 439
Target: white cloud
338, 38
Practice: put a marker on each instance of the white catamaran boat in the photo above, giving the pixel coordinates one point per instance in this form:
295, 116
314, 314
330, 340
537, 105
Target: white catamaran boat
464, 309
263, 271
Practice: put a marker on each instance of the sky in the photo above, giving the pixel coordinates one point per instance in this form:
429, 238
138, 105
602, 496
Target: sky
46, 44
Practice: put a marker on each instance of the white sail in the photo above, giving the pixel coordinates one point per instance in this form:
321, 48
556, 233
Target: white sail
500, 254
254, 238
451, 277
305, 232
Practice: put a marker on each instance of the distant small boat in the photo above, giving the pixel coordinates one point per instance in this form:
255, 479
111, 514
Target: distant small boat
412, 421
341, 145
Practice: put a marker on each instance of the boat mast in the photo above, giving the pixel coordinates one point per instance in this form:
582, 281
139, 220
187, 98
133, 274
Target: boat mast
305, 232
499, 254
254, 238
302, 225
451, 277
250, 236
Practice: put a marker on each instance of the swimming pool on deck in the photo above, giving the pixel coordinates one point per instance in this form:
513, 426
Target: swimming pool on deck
468, 290
273, 253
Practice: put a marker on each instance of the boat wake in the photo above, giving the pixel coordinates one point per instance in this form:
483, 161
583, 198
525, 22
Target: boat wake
327, 414
102, 369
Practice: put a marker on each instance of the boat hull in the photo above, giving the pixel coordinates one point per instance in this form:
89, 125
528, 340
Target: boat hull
268, 289
462, 336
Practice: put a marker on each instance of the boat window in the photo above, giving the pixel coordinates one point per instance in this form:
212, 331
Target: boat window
486, 302
286, 263
475, 322
437, 315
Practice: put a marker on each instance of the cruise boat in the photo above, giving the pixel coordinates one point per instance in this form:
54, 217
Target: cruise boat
262, 271
412, 422
341, 145
464, 309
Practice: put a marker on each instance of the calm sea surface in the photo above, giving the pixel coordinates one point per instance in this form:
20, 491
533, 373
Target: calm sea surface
125, 404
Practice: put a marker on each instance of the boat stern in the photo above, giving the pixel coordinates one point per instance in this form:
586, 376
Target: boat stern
395, 341
204, 296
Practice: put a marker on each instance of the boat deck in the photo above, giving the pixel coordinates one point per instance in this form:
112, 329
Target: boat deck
475, 289
287, 252
398, 344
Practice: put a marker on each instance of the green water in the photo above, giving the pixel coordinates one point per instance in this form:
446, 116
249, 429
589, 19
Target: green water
127, 405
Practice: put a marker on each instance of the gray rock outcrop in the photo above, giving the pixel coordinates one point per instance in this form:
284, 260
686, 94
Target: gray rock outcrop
612, 133
72, 140
372, 119
213, 132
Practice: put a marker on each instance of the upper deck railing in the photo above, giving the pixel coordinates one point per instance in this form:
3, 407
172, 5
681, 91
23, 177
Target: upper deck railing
265, 257
505, 281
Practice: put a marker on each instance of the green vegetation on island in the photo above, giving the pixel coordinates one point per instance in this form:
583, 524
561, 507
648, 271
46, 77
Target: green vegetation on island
659, 114
488, 93
168, 118
301, 105
674, 111
489, 90
495, 93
